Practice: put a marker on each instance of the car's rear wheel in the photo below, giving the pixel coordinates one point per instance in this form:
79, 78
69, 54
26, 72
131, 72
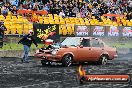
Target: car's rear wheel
103, 60
67, 60
82, 80
81, 63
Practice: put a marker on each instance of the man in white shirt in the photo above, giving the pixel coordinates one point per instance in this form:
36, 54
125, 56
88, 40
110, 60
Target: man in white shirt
62, 14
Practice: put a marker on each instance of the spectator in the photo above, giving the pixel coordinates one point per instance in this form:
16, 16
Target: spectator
75, 9
78, 15
46, 7
27, 41
41, 6
130, 3
52, 9
82, 12
35, 8
8, 6
109, 17
57, 9
119, 11
5, 11
14, 11
62, 14
30, 5
19, 3
129, 16
25, 6
95, 4
15, 3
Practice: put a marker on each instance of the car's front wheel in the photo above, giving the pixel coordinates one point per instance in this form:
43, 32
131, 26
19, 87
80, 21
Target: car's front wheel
103, 60
43, 62
67, 60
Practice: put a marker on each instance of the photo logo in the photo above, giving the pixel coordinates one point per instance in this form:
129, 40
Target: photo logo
96, 78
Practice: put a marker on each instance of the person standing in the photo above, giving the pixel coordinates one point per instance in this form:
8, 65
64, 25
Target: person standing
14, 11
27, 41
4, 11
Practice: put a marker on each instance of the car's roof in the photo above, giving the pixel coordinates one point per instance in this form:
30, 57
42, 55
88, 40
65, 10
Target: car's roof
84, 37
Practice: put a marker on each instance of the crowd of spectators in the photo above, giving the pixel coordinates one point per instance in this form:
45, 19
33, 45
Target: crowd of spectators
73, 8
6, 7
90, 8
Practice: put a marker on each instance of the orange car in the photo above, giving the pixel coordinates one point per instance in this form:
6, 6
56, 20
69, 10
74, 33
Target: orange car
78, 49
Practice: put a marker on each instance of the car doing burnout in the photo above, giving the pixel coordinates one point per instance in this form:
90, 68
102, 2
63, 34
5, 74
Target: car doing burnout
78, 49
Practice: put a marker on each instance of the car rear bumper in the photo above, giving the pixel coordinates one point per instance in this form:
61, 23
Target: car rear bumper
115, 56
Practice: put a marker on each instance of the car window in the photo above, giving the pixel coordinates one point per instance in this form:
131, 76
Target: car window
96, 43
71, 41
85, 43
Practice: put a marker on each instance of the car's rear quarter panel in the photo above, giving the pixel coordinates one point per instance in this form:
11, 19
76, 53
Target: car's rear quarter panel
111, 52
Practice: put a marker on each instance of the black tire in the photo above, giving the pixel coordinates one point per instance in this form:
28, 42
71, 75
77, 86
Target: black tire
82, 80
67, 60
103, 60
81, 63
43, 62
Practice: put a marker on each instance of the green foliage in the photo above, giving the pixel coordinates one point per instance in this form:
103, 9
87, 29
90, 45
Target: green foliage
120, 45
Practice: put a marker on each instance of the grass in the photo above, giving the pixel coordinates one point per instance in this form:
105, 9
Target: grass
118, 42
120, 45
15, 46
113, 43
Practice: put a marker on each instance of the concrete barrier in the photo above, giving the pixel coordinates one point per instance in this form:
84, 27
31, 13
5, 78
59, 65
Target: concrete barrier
15, 53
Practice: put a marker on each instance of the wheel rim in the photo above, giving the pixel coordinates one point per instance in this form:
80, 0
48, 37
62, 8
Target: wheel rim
104, 60
68, 60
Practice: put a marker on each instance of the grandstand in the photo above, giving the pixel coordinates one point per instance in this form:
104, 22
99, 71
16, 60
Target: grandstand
17, 24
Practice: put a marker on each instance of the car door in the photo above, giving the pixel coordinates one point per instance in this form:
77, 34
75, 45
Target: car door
84, 50
97, 49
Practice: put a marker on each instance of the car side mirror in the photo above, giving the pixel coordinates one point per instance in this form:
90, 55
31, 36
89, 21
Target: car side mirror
81, 46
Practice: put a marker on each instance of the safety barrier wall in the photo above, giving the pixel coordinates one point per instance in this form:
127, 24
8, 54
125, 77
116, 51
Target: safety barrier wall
96, 31
54, 31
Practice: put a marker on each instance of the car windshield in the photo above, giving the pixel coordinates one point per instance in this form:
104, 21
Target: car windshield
71, 41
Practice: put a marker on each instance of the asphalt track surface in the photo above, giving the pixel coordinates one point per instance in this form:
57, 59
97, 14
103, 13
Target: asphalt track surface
14, 74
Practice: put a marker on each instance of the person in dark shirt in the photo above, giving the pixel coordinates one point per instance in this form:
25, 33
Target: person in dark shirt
27, 41
14, 11
5, 11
